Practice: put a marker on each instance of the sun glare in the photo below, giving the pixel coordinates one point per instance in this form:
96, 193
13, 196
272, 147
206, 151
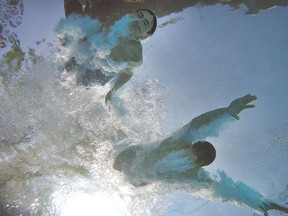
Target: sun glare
92, 204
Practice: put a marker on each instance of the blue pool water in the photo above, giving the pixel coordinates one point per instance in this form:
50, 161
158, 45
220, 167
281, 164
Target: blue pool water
59, 140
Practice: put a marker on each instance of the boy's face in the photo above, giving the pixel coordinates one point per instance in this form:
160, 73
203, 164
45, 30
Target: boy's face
142, 22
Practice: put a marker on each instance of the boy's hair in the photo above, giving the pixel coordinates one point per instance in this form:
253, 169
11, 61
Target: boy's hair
205, 152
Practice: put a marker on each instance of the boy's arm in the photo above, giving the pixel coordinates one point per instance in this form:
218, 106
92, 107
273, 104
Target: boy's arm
129, 51
211, 123
223, 187
121, 78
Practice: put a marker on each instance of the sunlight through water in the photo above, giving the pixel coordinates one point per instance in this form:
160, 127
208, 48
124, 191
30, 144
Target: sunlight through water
59, 139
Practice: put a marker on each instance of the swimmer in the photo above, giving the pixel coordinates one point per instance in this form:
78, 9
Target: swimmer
105, 54
143, 25
181, 158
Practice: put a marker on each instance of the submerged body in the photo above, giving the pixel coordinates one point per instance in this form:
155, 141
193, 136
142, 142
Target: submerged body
101, 54
143, 164
174, 160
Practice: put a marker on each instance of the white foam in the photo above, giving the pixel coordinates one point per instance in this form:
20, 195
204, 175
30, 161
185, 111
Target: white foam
54, 137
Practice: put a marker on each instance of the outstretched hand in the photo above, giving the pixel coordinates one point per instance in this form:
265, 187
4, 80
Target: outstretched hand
240, 104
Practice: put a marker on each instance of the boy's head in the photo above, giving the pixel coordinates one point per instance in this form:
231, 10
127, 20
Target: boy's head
144, 23
204, 153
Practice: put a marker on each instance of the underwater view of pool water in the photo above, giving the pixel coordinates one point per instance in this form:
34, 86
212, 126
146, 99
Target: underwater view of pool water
61, 126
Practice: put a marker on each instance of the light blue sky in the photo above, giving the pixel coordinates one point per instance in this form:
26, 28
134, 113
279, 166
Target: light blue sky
206, 60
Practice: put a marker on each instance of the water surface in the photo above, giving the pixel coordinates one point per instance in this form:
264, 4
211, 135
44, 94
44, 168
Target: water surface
58, 141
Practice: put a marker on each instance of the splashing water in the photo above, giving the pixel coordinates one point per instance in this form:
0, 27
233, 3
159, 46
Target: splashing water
58, 142
90, 43
11, 13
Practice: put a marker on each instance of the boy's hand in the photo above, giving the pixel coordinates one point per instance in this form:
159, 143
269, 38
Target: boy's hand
240, 104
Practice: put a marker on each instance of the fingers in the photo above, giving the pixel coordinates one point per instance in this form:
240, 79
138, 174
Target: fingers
249, 98
236, 117
249, 106
108, 97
